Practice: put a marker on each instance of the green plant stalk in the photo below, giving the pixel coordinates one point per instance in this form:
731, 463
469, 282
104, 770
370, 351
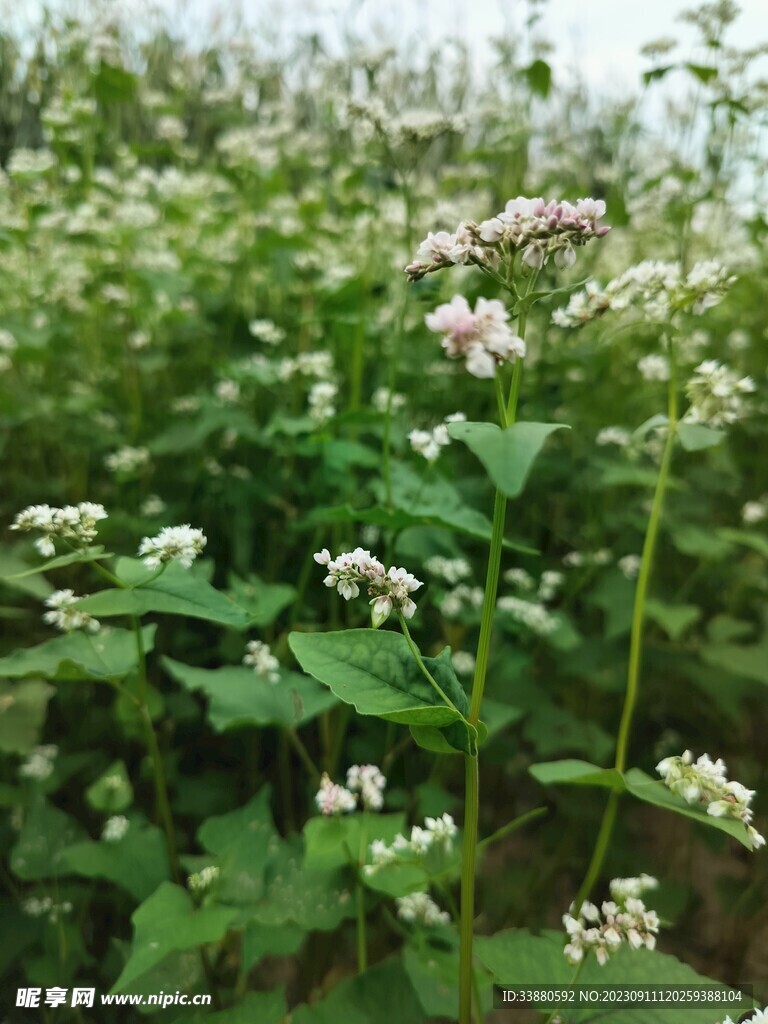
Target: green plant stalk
420, 662
362, 941
636, 643
471, 769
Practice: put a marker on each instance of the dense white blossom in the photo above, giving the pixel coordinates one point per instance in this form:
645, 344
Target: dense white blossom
368, 781
334, 799
115, 828
705, 782
419, 907
623, 918
452, 570
259, 657
716, 394
73, 523
173, 543
202, 880
64, 616
481, 337
38, 765
630, 565
755, 511
388, 590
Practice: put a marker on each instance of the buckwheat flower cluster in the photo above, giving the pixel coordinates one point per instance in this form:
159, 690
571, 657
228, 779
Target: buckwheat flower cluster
388, 589
759, 1017
619, 436
755, 511
587, 559
462, 599
115, 828
320, 401
437, 834
419, 907
127, 459
381, 400
623, 918
202, 880
75, 524
483, 337
266, 331
531, 614
630, 566
429, 443
259, 657
46, 907
654, 289
64, 616
334, 799
173, 543
654, 367
39, 763
537, 229
716, 394
452, 570
705, 782
463, 662
368, 781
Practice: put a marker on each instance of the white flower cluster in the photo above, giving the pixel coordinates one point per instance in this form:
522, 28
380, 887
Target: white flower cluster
629, 565
173, 543
452, 570
46, 907
654, 367
306, 364
531, 614
364, 782
115, 828
388, 589
619, 436
483, 337
266, 331
623, 918
437, 833
531, 226
758, 1017
463, 663
716, 394
419, 907
653, 288
368, 781
259, 657
430, 443
380, 400
39, 763
127, 459
320, 401
64, 616
73, 523
755, 511
550, 582
462, 598
587, 559
706, 782
202, 880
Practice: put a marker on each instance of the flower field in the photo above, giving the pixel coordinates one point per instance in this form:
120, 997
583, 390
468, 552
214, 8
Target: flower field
385, 525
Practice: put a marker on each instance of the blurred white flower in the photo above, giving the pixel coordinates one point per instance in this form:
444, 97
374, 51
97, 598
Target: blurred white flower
173, 543
259, 657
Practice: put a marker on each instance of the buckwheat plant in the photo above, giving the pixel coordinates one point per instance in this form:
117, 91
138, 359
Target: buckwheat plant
384, 673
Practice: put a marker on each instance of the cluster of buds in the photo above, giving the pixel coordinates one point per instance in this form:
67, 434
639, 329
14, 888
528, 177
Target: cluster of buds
716, 394
202, 880
364, 782
39, 763
388, 589
623, 918
173, 543
537, 229
705, 782
259, 657
419, 907
65, 616
653, 288
429, 443
76, 524
483, 337
437, 834
115, 828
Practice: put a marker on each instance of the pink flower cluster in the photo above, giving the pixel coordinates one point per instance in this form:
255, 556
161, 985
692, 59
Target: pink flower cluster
388, 589
536, 228
482, 338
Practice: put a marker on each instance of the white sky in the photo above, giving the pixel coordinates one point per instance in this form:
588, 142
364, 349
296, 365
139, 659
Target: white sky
598, 38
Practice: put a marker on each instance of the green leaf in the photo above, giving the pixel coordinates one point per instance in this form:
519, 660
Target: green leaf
176, 592
380, 995
254, 1008
244, 842
312, 899
674, 619
508, 455
330, 841
747, 660
704, 72
747, 538
279, 940
433, 971
262, 601
13, 574
576, 773
45, 835
112, 792
375, 671
60, 561
539, 77
168, 922
23, 708
700, 543
108, 654
137, 863
238, 697
398, 878
695, 437
517, 957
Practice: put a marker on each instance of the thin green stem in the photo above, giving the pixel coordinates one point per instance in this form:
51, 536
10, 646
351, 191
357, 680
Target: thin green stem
362, 941
489, 605
304, 755
425, 671
636, 640
468, 854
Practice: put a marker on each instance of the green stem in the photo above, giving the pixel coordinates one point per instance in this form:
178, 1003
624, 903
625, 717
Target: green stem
304, 755
362, 943
489, 606
468, 853
636, 641
420, 662
158, 772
